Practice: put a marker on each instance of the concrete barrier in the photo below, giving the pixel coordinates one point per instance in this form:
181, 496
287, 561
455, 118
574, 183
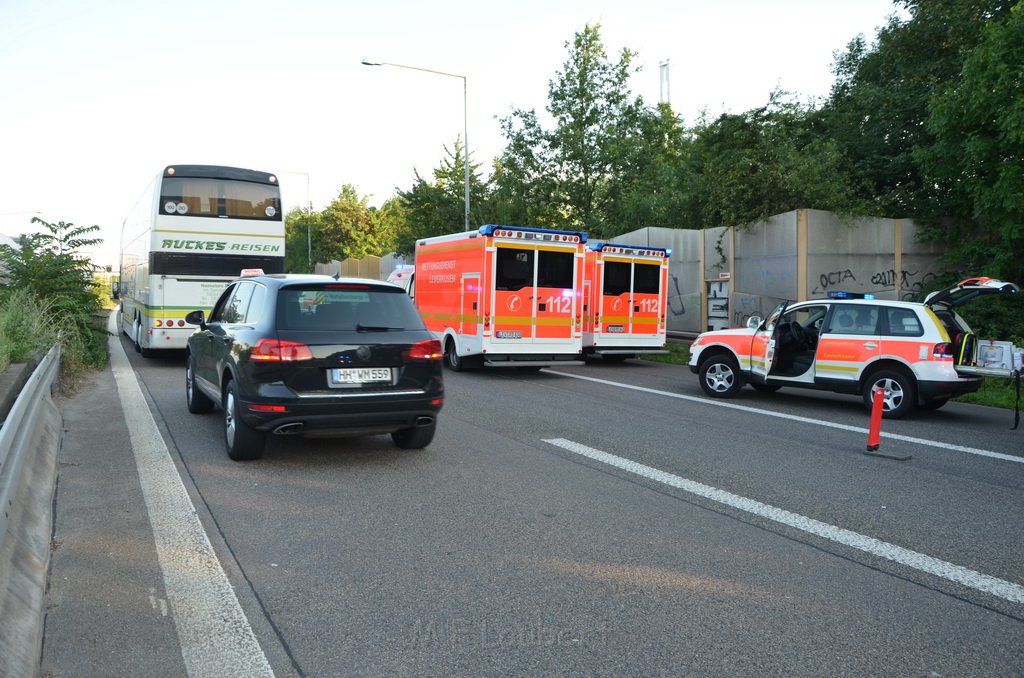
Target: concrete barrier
29, 442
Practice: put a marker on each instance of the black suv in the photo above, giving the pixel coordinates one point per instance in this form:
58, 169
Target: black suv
314, 355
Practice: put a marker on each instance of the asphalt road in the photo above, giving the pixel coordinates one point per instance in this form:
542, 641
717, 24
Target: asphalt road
611, 520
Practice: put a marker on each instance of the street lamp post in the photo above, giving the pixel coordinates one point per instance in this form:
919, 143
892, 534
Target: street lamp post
465, 116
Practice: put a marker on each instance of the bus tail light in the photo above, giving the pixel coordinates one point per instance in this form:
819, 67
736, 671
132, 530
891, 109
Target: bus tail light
279, 351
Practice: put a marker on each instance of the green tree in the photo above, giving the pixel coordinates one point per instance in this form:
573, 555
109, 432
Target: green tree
301, 229
438, 207
349, 228
743, 168
879, 101
977, 157
48, 268
570, 176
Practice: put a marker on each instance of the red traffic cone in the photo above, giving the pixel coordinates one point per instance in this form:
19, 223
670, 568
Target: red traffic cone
875, 432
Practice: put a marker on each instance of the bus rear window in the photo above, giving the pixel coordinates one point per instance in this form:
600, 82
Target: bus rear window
194, 197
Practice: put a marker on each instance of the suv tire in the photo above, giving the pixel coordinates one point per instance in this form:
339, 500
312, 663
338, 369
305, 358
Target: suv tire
900, 392
720, 376
242, 442
197, 401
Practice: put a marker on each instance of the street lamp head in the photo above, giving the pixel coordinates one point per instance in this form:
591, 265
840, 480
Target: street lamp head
367, 62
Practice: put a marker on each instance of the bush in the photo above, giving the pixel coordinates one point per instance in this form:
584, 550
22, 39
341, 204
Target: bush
47, 295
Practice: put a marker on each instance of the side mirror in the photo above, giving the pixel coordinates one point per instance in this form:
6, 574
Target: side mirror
196, 318
753, 322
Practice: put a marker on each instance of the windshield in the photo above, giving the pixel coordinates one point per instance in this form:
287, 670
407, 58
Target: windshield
206, 197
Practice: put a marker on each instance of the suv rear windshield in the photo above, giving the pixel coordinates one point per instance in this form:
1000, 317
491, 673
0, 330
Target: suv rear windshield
344, 306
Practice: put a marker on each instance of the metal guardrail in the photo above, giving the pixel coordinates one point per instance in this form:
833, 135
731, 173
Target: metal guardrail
18, 430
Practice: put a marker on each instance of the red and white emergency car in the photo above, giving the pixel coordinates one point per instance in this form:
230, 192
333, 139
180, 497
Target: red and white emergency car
625, 292
921, 354
503, 296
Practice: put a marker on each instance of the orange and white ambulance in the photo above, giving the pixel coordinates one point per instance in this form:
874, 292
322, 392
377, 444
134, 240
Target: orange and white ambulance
503, 296
920, 354
625, 293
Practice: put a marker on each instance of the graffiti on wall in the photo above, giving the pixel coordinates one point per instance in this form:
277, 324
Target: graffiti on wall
718, 305
675, 298
910, 283
746, 307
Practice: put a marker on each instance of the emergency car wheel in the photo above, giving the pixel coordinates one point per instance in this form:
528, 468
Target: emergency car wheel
197, 401
241, 440
720, 376
900, 395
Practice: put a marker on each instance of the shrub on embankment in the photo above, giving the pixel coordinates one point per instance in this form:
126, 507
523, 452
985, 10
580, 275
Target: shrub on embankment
47, 295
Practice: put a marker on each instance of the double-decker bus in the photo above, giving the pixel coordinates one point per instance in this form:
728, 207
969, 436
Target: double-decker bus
195, 229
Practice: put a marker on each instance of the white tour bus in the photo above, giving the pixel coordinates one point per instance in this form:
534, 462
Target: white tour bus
194, 229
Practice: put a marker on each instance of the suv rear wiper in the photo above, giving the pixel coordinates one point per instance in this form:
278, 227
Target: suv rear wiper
377, 328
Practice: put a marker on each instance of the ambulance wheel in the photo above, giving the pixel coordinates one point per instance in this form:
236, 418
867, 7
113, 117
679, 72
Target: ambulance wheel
451, 356
720, 376
900, 392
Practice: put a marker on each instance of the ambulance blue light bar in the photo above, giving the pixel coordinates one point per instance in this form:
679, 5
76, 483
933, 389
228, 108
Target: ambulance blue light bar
527, 233
850, 295
634, 250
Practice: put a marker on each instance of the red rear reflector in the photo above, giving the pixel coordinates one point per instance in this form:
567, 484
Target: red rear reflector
268, 408
425, 350
277, 351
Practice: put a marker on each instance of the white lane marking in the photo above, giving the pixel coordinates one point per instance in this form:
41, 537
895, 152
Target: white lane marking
215, 636
919, 561
804, 420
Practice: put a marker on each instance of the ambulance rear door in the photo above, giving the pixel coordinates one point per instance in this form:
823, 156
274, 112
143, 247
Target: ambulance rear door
534, 296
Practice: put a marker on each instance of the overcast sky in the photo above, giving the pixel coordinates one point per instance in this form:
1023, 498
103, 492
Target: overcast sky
97, 97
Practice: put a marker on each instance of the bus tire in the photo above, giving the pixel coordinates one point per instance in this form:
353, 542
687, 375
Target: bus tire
242, 442
197, 401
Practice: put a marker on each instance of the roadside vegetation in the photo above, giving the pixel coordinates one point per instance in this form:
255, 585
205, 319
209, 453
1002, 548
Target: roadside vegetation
47, 295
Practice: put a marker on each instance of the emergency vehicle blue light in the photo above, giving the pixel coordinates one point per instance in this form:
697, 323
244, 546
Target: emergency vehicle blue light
850, 295
598, 246
489, 229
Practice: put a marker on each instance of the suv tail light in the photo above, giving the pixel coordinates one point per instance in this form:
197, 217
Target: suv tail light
279, 351
943, 350
425, 350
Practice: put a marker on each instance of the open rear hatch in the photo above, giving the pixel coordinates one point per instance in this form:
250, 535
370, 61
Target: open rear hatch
973, 356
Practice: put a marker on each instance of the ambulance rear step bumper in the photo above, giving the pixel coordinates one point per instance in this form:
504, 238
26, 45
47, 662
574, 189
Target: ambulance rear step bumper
631, 351
539, 361
972, 371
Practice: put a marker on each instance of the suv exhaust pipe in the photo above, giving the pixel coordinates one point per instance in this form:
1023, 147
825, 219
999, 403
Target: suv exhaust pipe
289, 429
